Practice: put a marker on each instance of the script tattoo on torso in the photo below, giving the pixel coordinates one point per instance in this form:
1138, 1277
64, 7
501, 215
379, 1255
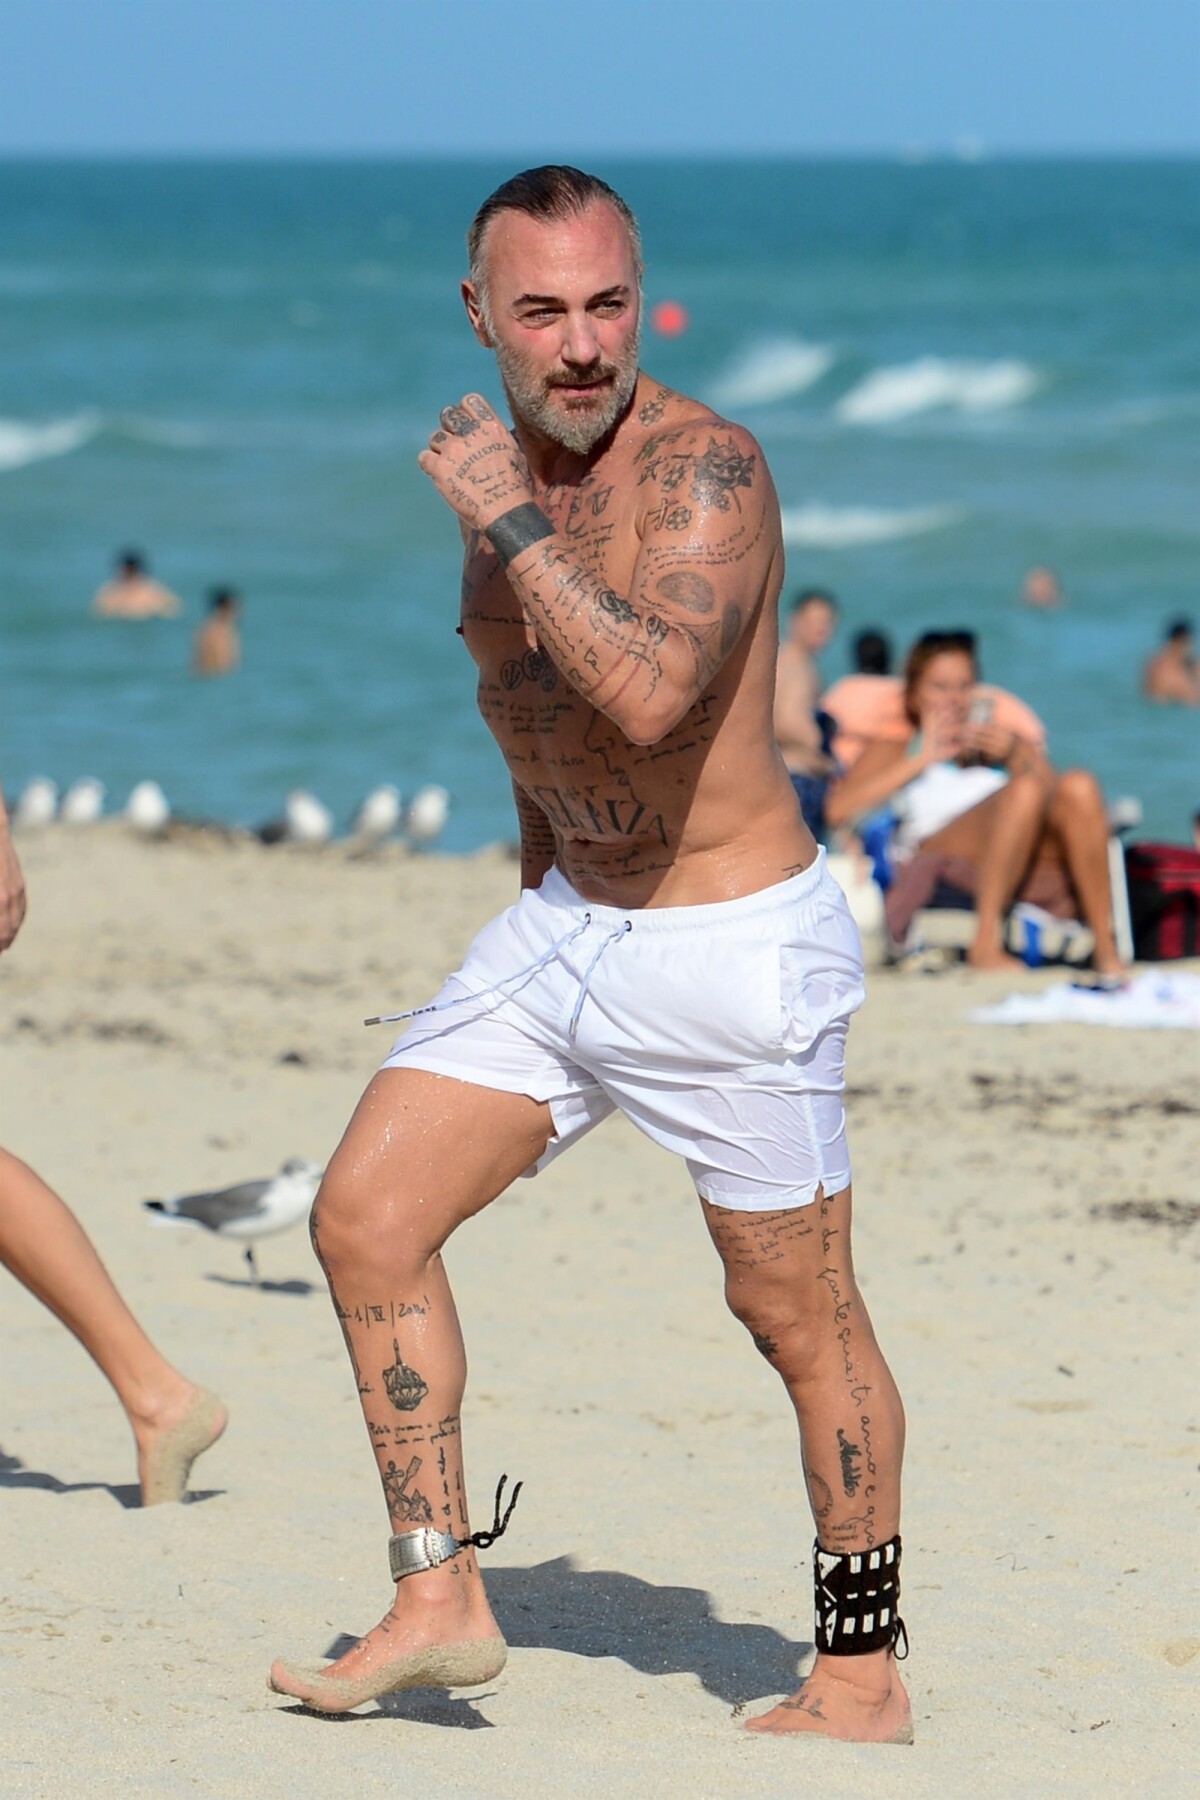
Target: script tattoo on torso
616, 808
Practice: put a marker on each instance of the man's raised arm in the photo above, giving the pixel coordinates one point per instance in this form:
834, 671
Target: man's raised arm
643, 657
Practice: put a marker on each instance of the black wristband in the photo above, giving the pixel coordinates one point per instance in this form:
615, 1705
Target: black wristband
516, 529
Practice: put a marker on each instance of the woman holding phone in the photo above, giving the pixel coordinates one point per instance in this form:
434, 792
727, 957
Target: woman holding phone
981, 807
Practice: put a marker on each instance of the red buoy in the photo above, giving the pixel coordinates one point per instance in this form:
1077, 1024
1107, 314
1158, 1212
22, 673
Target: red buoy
669, 318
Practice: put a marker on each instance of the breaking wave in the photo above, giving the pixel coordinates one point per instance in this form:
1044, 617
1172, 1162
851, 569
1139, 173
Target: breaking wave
771, 370
22, 443
840, 527
907, 389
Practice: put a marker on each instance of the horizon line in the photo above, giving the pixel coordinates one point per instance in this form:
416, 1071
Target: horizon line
905, 156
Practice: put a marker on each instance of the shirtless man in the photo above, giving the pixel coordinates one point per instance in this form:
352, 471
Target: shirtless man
797, 686
217, 646
1173, 673
678, 950
132, 593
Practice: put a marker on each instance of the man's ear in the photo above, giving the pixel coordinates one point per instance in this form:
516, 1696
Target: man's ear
475, 313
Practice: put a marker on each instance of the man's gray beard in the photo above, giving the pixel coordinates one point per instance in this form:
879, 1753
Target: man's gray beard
579, 432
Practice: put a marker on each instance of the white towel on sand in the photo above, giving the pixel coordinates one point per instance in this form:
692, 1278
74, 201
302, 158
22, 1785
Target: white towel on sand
1155, 998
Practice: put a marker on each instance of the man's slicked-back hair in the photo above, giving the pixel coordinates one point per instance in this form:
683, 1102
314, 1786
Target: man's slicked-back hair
552, 191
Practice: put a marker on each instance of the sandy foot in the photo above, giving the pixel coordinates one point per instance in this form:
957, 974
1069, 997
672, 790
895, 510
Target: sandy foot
167, 1450
401, 1652
832, 1706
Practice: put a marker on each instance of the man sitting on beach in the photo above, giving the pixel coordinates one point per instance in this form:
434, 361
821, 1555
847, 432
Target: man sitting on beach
679, 951
132, 593
798, 730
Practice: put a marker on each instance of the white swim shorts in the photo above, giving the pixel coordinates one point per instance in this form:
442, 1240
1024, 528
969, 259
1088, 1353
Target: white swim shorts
720, 1030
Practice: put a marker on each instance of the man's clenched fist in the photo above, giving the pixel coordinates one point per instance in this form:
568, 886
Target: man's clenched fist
475, 463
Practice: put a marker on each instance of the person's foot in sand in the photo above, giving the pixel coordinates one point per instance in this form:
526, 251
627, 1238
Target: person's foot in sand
439, 1633
171, 1429
42, 1242
863, 1701
989, 953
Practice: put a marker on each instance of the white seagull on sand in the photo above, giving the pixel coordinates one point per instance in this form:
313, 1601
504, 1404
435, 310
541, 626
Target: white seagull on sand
147, 808
249, 1211
379, 814
83, 802
307, 820
425, 814
37, 802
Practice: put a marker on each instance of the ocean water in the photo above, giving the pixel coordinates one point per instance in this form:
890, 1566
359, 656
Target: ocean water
955, 370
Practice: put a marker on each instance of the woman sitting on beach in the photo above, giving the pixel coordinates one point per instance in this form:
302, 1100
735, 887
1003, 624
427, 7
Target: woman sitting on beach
981, 808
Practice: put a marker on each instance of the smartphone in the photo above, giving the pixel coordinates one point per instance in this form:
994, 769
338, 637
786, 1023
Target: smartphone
979, 712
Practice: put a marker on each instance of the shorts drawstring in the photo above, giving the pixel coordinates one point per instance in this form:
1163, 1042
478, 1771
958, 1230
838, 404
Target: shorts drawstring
497, 987
616, 932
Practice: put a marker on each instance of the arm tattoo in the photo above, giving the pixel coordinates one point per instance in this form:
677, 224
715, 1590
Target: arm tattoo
516, 529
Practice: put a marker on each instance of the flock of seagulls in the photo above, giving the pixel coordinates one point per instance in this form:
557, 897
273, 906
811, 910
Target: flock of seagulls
304, 820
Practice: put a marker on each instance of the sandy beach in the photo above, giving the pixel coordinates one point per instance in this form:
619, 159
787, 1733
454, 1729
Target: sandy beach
186, 1014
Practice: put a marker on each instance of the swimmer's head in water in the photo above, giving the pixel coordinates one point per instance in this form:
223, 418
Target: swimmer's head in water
554, 290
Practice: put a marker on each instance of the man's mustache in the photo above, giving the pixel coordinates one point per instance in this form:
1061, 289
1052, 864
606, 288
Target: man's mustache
585, 377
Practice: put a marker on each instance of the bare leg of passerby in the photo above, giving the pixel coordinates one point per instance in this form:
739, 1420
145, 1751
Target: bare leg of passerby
42, 1242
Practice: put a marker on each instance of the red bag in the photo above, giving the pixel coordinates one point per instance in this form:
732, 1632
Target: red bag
1164, 900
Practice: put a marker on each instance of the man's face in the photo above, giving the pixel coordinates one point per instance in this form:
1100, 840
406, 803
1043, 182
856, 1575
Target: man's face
562, 311
812, 626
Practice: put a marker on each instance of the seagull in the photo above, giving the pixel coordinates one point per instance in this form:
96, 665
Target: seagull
306, 820
309, 820
83, 802
37, 803
379, 814
425, 814
147, 808
249, 1211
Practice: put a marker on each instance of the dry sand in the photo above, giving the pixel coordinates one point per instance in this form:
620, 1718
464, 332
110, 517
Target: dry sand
187, 1014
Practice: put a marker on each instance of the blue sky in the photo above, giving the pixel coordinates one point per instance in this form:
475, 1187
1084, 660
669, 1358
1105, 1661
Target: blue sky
585, 76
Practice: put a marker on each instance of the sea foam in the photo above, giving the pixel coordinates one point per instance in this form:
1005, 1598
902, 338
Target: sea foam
772, 369
22, 443
840, 527
906, 389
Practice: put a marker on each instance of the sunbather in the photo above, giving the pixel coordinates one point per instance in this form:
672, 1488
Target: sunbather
985, 805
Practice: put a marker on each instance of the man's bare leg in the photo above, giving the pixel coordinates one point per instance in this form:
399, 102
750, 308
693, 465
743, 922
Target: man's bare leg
42, 1242
421, 1154
789, 1278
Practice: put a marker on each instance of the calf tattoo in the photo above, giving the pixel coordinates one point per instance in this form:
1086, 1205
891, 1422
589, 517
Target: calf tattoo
408, 1508
404, 1387
516, 529
847, 1452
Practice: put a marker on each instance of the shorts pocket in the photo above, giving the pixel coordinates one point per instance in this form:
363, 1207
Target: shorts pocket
820, 979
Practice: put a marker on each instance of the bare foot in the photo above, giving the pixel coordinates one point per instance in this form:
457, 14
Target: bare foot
838, 1706
991, 956
171, 1436
430, 1640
